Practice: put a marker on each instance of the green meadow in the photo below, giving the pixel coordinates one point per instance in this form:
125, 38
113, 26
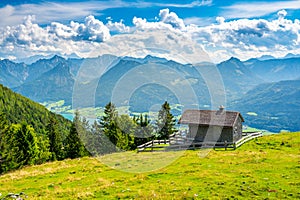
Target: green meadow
264, 168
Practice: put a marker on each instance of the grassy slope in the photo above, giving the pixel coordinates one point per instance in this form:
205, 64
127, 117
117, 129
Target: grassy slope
266, 167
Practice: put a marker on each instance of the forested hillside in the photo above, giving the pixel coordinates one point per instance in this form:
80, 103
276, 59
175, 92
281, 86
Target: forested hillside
29, 133
18, 109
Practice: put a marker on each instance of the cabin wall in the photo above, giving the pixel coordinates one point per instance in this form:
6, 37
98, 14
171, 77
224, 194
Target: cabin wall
210, 133
237, 130
197, 132
226, 135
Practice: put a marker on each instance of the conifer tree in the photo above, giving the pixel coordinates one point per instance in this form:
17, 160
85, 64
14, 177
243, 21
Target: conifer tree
3, 128
74, 145
125, 132
55, 140
27, 144
3, 132
20, 147
144, 130
108, 123
165, 124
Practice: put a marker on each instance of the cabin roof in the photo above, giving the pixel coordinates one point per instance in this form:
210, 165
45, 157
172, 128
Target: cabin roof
210, 117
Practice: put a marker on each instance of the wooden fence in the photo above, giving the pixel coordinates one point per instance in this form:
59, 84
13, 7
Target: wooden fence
178, 143
152, 145
246, 138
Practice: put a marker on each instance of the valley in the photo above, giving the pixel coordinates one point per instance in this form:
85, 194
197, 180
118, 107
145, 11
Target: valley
268, 88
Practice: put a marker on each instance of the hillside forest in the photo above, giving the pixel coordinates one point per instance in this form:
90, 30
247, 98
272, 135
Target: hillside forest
30, 134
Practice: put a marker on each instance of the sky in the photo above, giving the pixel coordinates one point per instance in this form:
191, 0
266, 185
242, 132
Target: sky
221, 29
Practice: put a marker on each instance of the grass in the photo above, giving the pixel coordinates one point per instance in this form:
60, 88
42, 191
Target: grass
251, 130
264, 168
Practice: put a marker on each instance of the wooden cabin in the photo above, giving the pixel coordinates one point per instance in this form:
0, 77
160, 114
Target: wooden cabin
213, 125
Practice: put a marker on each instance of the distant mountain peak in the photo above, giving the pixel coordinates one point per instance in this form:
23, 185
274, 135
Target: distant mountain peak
266, 57
152, 58
72, 56
149, 57
231, 60
291, 55
234, 59
56, 57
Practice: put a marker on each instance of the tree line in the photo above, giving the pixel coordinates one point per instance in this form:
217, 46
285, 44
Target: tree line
21, 144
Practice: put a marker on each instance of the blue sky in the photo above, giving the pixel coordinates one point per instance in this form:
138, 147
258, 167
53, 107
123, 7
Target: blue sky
237, 28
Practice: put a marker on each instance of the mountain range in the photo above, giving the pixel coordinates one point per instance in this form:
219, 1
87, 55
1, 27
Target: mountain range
267, 87
272, 106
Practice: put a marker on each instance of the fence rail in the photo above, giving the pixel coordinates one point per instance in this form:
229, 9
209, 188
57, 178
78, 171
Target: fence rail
151, 145
247, 138
177, 143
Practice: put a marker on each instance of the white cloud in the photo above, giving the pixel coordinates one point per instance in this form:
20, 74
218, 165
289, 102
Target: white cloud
258, 9
169, 37
281, 14
220, 20
143, 24
157, 42
171, 18
199, 21
188, 5
94, 29
119, 27
245, 38
47, 12
29, 38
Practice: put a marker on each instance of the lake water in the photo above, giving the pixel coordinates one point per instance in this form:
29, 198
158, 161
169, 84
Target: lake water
71, 116
68, 116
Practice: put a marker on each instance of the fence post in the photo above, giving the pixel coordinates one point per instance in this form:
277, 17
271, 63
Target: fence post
152, 145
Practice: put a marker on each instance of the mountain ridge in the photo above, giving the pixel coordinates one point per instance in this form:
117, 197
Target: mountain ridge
53, 79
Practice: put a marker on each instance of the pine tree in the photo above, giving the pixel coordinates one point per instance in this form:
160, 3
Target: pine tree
125, 133
26, 141
144, 130
74, 145
55, 140
3, 128
3, 133
44, 153
165, 124
20, 147
95, 141
108, 123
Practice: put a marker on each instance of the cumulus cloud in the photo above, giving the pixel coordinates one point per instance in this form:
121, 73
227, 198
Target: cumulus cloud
31, 38
245, 38
118, 27
242, 38
170, 45
281, 14
94, 30
47, 12
171, 18
220, 20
